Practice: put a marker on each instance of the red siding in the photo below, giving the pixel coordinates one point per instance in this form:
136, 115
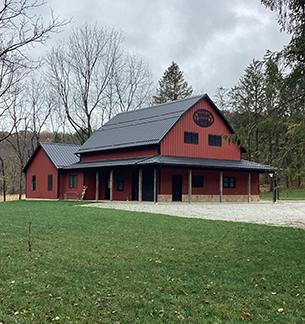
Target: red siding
173, 143
121, 154
89, 181
126, 194
211, 182
71, 193
241, 187
41, 167
210, 185
166, 176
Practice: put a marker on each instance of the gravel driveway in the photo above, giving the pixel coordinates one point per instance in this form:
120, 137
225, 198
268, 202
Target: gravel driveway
281, 213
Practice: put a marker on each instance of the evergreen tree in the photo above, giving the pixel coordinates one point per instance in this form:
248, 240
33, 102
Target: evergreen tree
172, 86
221, 99
291, 18
247, 100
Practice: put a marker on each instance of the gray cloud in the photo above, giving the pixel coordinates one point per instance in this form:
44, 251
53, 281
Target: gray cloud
212, 41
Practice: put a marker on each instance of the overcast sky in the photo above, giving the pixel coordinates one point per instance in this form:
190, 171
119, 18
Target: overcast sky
211, 40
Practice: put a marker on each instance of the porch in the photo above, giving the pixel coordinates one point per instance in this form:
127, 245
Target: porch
160, 184
165, 179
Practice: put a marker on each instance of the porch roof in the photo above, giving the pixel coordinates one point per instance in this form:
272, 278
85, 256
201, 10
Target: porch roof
175, 161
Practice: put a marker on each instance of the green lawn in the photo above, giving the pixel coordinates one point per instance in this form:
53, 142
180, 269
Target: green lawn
297, 194
92, 265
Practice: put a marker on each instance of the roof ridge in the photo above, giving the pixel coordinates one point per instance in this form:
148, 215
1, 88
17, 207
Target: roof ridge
70, 144
162, 104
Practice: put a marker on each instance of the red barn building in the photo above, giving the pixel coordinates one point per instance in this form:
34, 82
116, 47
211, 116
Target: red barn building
178, 151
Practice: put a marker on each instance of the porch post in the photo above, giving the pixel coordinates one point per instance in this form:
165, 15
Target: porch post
155, 186
140, 184
111, 184
274, 187
221, 186
249, 187
97, 184
190, 186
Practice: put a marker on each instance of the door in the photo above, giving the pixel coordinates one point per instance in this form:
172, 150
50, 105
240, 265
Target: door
135, 185
106, 181
148, 185
177, 188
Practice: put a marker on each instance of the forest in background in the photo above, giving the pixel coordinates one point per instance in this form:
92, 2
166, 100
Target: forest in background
88, 78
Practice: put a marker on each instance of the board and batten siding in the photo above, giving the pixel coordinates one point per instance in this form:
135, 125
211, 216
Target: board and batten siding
41, 166
173, 143
211, 182
118, 154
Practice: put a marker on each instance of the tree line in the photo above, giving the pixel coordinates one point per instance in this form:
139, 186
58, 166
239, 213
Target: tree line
83, 81
267, 106
89, 76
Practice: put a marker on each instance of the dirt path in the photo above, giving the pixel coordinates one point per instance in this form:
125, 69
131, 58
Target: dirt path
282, 213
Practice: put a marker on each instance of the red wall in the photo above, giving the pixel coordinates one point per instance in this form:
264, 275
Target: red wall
241, 187
41, 167
166, 174
211, 182
126, 194
120, 154
88, 179
70, 193
173, 143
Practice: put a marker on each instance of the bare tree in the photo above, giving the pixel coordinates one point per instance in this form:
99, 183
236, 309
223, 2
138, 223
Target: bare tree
39, 110
29, 114
3, 178
94, 79
133, 84
80, 73
19, 139
20, 28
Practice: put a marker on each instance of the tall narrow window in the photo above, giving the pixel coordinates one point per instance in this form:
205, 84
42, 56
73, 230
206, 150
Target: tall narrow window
190, 138
50, 182
33, 183
215, 140
229, 182
72, 181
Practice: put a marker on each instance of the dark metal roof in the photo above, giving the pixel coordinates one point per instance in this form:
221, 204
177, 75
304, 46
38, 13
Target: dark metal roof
104, 164
142, 127
241, 165
61, 155
211, 163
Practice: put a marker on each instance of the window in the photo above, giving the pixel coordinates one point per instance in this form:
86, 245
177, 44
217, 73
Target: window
33, 183
197, 181
229, 182
190, 138
120, 183
215, 140
50, 182
72, 181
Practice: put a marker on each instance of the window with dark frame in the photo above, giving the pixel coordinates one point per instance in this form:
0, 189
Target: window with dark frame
229, 182
197, 181
50, 182
120, 183
215, 140
72, 181
190, 138
33, 183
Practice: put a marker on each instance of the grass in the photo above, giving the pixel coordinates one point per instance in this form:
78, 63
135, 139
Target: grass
91, 265
292, 194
